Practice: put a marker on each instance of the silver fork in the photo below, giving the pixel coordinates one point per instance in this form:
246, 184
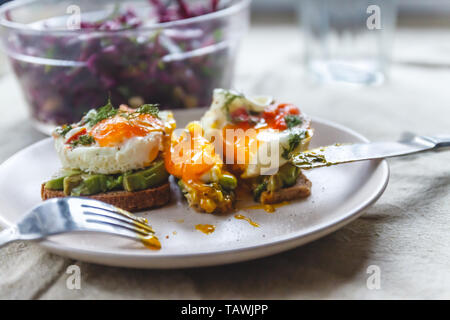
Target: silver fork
73, 214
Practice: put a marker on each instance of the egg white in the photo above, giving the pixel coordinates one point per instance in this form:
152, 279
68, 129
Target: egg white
132, 154
268, 157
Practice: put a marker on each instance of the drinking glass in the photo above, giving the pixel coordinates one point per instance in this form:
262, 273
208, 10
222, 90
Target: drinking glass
348, 40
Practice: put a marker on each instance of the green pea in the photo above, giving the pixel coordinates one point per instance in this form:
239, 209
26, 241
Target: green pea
228, 181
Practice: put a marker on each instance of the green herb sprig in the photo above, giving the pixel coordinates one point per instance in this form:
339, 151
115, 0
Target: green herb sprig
105, 112
294, 141
292, 120
151, 109
84, 140
62, 131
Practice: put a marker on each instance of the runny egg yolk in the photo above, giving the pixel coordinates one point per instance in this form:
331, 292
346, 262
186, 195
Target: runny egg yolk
241, 137
239, 143
191, 155
114, 131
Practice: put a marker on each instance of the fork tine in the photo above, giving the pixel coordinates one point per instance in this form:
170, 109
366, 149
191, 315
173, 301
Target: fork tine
92, 214
129, 224
105, 221
115, 215
115, 210
120, 217
110, 228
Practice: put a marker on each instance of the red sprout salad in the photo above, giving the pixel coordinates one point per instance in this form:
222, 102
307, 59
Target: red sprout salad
176, 68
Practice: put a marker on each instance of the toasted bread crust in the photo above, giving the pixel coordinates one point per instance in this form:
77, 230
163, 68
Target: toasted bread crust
301, 189
129, 201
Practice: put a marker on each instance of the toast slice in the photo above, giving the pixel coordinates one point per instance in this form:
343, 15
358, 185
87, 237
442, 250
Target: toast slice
129, 201
301, 189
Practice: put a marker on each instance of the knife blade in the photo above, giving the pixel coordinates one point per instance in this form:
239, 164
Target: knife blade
344, 153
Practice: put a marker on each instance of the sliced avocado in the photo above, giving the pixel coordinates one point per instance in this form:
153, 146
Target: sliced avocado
147, 178
274, 183
57, 183
114, 182
90, 184
259, 190
288, 174
70, 183
285, 177
76, 183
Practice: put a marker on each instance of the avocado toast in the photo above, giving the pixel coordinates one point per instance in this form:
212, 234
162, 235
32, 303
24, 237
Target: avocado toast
245, 141
259, 135
114, 155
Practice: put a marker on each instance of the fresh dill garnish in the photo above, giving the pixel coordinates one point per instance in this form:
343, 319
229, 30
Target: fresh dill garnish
294, 141
292, 120
62, 131
151, 109
105, 112
84, 140
229, 98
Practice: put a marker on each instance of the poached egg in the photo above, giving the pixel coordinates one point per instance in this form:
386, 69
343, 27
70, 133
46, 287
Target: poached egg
126, 140
254, 134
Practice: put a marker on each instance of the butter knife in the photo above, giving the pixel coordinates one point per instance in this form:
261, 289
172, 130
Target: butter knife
343, 153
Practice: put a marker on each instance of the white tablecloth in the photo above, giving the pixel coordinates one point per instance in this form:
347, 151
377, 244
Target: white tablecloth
405, 234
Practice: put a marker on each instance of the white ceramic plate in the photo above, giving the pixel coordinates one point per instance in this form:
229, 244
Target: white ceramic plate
339, 194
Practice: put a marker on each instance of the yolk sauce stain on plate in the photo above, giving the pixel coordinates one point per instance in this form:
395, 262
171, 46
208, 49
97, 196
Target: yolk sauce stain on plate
151, 242
270, 208
205, 228
241, 217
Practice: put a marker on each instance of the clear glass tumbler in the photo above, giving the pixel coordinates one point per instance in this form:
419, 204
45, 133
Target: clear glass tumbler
348, 40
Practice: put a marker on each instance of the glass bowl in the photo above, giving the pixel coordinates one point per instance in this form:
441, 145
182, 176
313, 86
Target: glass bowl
71, 56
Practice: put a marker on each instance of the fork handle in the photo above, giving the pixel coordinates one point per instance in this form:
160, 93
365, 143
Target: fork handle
8, 235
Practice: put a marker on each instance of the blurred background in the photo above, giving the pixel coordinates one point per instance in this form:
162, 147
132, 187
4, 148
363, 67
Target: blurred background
407, 7
302, 51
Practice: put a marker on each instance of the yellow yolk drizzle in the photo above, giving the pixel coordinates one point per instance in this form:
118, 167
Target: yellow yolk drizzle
205, 228
267, 207
241, 217
151, 242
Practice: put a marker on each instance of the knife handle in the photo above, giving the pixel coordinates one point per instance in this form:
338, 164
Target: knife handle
441, 140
